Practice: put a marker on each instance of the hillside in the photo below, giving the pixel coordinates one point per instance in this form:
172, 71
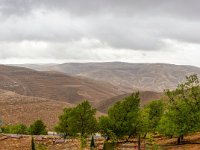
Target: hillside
15, 108
56, 86
127, 76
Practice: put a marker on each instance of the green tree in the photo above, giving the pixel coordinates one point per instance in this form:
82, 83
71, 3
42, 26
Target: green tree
183, 111
63, 125
83, 119
78, 120
92, 144
122, 118
105, 127
152, 114
38, 128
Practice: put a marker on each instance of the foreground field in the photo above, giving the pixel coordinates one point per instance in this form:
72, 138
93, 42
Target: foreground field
15, 142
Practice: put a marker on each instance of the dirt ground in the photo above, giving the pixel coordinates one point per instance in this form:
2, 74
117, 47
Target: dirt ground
13, 142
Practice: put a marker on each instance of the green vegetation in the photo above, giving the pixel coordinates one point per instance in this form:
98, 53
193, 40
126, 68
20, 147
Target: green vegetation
38, 128
122, 119
63, 125
182, 115
176, 115
32, 144
78, 120
92, 144
42, 147
152, 114
15, 129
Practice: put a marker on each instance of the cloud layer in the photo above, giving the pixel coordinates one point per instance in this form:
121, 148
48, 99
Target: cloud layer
100, 30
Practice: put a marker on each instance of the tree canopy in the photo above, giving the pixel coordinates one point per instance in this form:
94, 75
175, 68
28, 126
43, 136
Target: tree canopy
182, 115
37, 128
80, 119
122, 117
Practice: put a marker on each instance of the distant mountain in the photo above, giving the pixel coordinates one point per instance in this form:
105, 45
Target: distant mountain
55, 86
127, 76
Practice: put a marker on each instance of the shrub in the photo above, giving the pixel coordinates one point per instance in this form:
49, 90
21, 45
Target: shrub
38, 128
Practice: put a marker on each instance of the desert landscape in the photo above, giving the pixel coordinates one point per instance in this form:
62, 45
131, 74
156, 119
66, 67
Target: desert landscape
99, 75
27, 95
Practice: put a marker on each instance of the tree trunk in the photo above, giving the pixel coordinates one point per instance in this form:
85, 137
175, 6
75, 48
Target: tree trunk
181, 137
179, 140
139, 142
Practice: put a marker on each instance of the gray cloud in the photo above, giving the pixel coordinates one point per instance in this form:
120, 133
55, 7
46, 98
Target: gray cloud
184, 8
88, 26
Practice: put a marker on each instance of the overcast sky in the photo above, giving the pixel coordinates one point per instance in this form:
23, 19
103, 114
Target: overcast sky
56, 31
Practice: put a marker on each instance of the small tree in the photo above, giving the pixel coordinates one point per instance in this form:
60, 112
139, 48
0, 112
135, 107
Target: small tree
82, 120
38, 128
92, 144
32, 144
78, 120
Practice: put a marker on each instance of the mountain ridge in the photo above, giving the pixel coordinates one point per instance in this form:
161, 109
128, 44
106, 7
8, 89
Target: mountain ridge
127, 76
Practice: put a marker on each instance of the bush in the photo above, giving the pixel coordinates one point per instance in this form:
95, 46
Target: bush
38, 128
15, 129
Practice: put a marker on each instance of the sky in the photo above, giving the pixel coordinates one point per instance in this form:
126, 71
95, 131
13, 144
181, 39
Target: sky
137, 31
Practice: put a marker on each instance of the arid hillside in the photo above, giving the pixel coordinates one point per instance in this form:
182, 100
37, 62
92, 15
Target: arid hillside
59, 87
15, 108
55, 86
127, 76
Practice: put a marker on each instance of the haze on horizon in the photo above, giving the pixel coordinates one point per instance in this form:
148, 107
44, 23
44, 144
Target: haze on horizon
49, 31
